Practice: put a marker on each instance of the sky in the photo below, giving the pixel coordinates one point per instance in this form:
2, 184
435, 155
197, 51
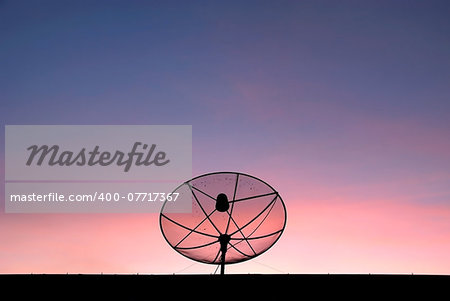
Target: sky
342, 106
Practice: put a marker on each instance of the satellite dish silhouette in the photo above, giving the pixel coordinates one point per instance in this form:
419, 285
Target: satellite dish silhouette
235, 217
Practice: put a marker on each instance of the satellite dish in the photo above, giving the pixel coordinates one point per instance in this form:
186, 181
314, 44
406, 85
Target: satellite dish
235, 217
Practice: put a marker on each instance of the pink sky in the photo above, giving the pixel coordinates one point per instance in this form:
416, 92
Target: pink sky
322, 236
342, 218
342, 107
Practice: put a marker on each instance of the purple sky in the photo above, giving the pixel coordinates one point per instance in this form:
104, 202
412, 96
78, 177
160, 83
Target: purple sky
342, 106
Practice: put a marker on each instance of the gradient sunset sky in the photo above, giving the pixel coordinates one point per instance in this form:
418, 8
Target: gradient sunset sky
342, 106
